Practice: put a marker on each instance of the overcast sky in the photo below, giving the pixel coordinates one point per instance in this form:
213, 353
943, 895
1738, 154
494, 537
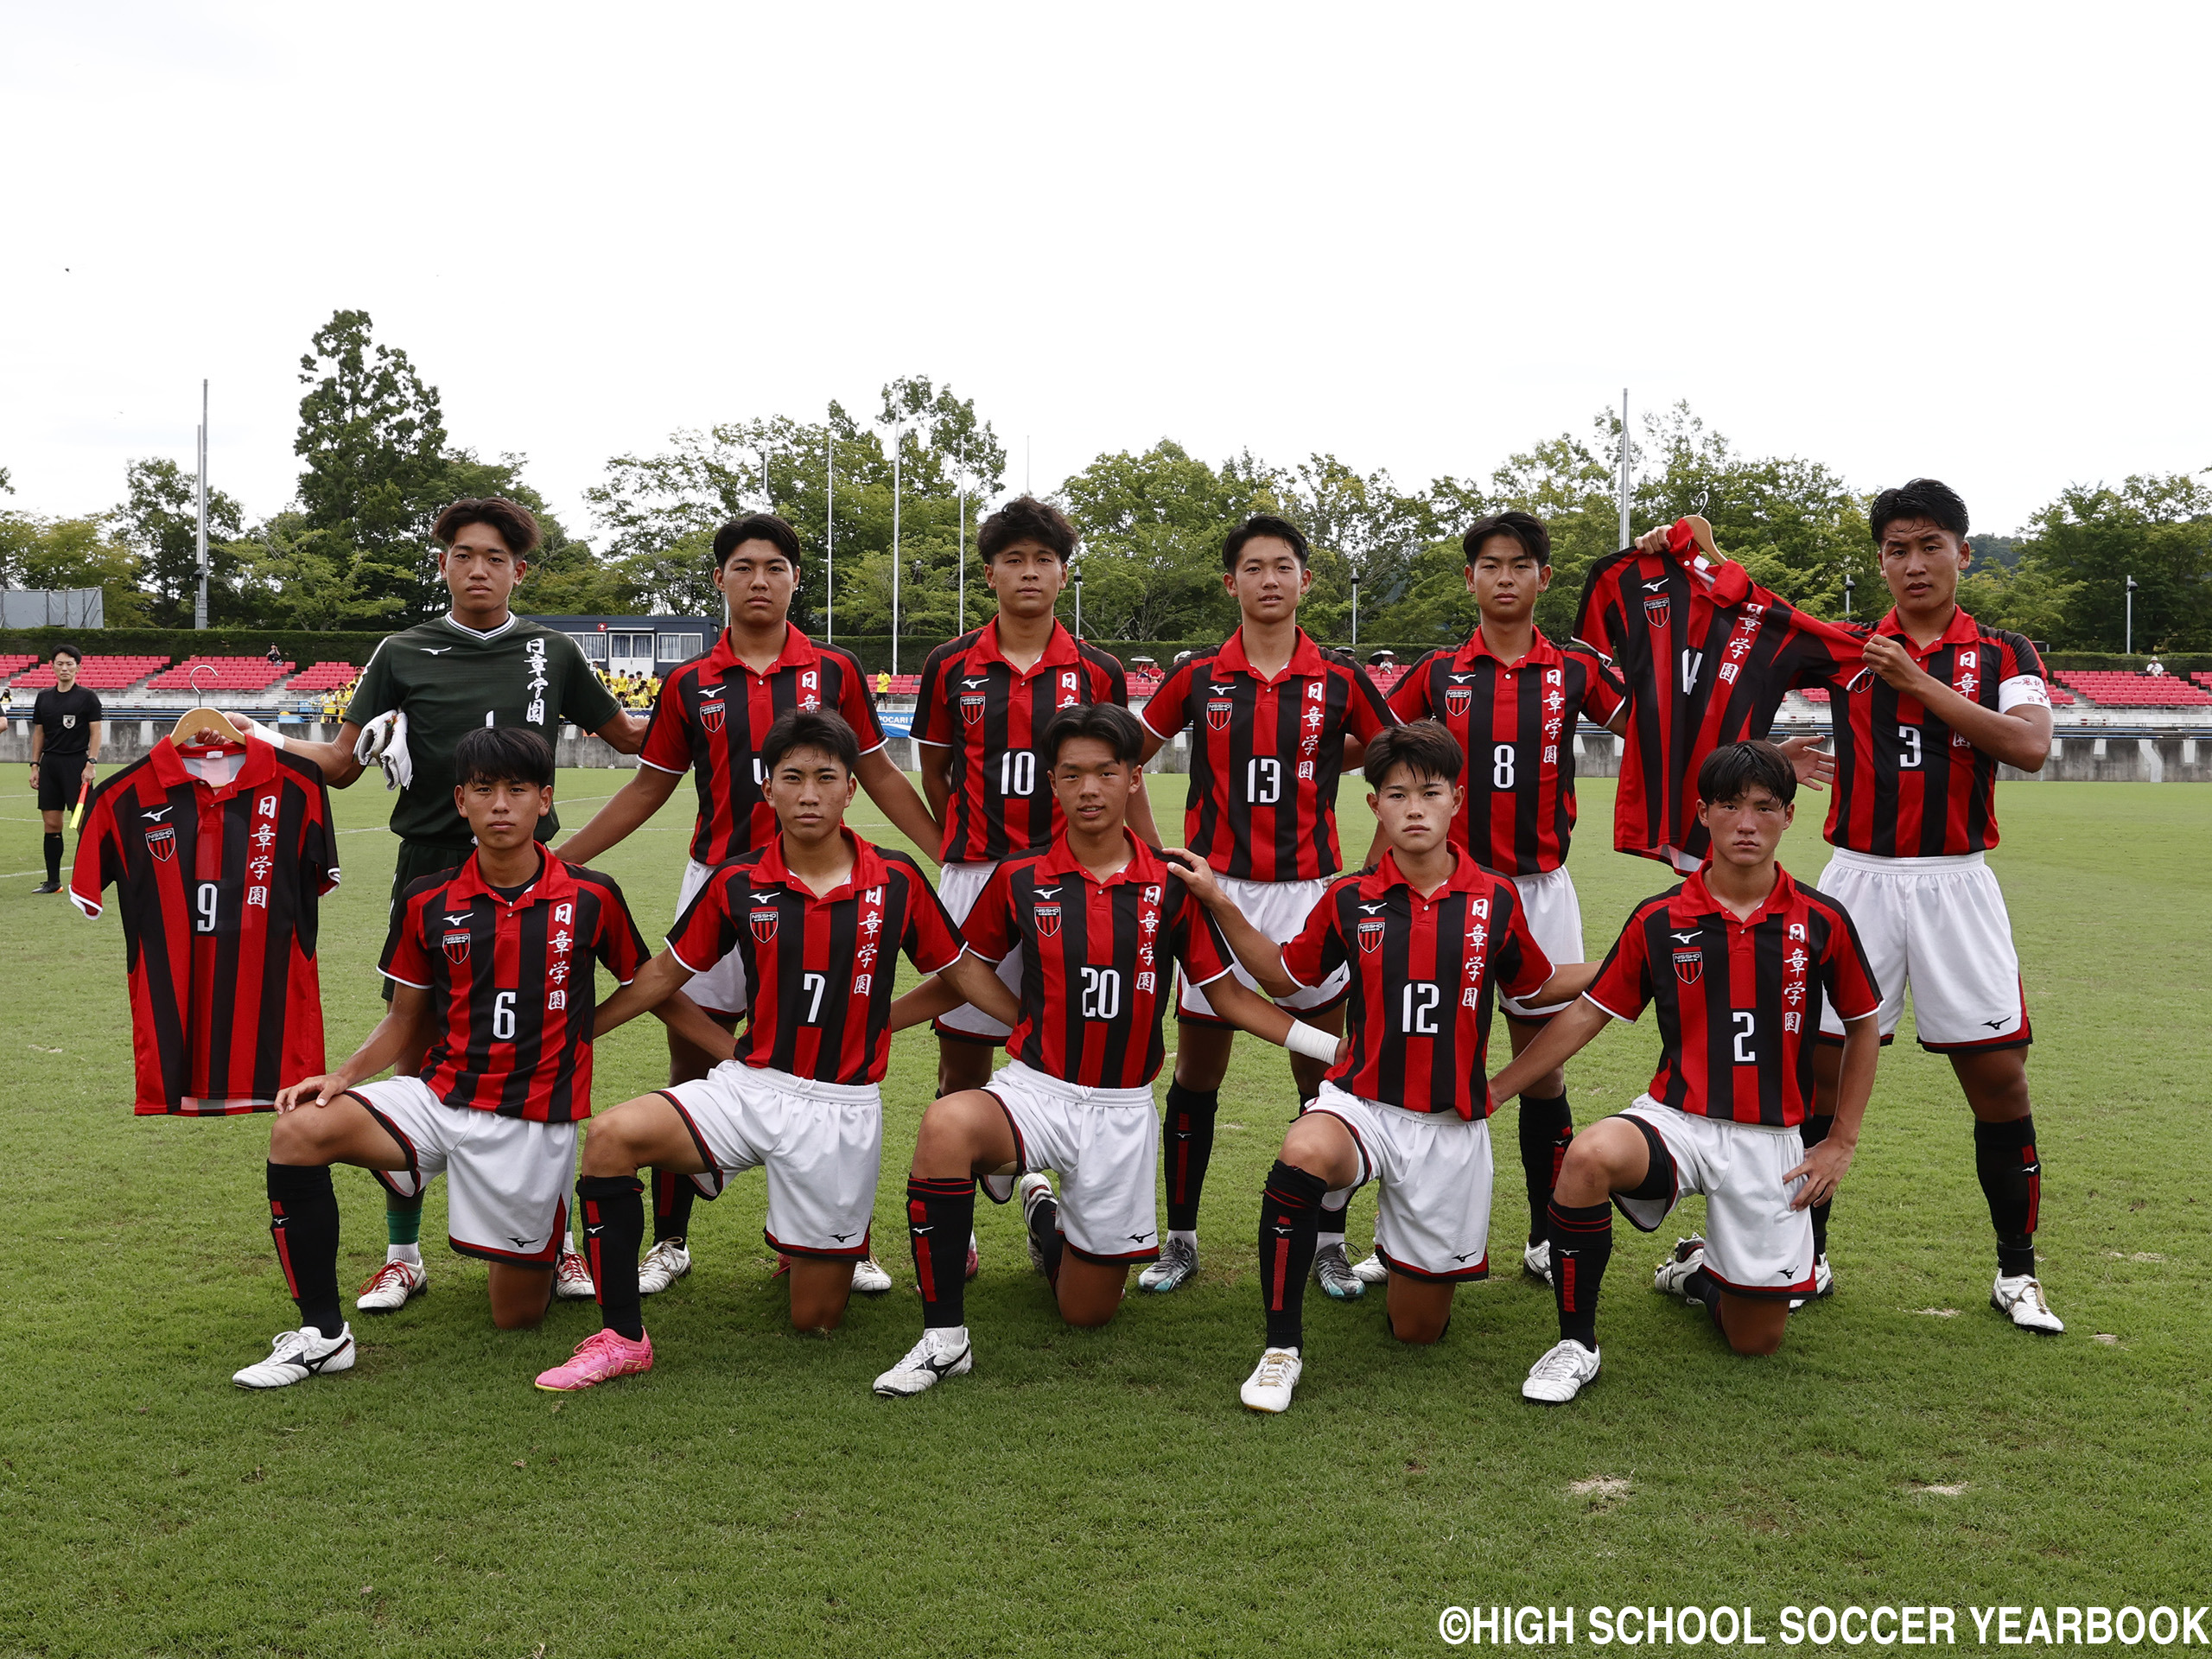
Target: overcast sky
1962, 240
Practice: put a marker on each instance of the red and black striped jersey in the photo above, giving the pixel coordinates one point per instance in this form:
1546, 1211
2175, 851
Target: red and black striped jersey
1266, 755
1739, 1000
1516, 722
991, 715
219, 855
1706, 656
712, 714
510, 984
1906, 784
1094, 959
819, 968
1424, 969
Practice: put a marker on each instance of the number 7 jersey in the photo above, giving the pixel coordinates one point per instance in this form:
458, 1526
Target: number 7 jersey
219, 857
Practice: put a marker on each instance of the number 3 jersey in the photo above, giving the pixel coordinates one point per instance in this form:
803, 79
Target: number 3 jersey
1739, 998
510, 978
218, 855
819, 967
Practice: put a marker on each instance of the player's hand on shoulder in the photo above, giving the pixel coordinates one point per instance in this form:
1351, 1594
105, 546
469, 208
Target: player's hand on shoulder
1197, 873
1814, 767
1653, 541
318, 1091
1823, 1171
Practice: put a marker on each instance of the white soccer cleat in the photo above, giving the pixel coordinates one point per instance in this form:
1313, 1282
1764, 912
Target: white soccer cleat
391, 1286
1823, 1283
1371, 1269
2020, 1298
1536, 1259
869, 1278
665, 1263
1032, 1190
939, 1354
1561, 1374
1273, 1381
1177, 1267
295, 1356
571, 1278
1688, 1255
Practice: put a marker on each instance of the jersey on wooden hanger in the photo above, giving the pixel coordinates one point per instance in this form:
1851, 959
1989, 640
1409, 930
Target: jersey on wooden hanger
219, 855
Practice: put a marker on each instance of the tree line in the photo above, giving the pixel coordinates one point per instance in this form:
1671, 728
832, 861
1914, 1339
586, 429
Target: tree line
352, 548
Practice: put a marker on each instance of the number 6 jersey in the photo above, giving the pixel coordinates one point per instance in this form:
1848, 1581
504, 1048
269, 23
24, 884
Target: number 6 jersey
218, 855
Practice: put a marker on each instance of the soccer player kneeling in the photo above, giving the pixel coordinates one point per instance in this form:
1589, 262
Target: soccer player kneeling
1740, 960
492, 987
816, 918
1428, 936
1096, 915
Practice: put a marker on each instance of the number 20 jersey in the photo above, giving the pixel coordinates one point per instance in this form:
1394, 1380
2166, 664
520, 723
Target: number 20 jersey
218, 857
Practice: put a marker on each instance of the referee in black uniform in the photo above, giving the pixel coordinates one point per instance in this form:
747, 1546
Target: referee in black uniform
65, 747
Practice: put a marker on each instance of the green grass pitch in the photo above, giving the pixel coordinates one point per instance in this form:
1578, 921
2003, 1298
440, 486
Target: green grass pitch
1102, 1492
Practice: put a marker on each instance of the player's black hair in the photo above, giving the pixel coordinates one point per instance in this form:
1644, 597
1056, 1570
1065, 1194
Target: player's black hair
1422, 746
810, 728
1524, 528
66, 649
1733, 770
517, 524
502, 754
1025, 518
1922, 498
1258, 526
755, 527
1110, 723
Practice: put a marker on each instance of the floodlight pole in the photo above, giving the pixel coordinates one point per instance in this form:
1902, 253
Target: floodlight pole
1846, 592
2130, 646
1624, 536
1078, 601
199, 605
829, 532
962, 544
1355, 610
894, 549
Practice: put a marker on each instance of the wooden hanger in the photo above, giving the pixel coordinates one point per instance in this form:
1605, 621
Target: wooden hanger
195, 724
1701, 531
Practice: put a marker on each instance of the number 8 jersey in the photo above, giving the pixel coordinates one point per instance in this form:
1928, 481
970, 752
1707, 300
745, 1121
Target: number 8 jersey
218, 855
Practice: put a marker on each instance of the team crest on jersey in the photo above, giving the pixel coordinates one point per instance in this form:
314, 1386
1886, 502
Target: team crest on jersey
972, 705
68, 722
1458, 699
1370, 933
1689, 964
1048, 920
763, 924
711, 715
1219, 713
161, 841
456, 946
1655, 606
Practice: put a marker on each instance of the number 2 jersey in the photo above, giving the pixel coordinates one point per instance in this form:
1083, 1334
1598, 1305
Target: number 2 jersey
219, 855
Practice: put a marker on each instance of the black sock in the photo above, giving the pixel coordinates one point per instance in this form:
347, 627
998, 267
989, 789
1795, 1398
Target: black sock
1702, 1286
1186, 1149
1546, 1126
1290, 1214
1044, 1224
54, 856
1582, 1243
1331, 1220
2011, 1179
940, 1217
614, 1225
672, 1196
1815, 1131
303, 1221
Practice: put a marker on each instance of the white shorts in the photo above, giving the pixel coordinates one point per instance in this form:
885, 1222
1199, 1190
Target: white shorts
1939, 925
1433, 1218
1755, 1243
1554, 916
960, 886
822, 1144
507, 1179
722, 989
1103, 1143
1278, 909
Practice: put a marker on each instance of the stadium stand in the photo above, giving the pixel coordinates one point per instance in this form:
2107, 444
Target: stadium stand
2111, 688
12, 665
231, 674
2059, 698
2202, 678
94, 673
325, 676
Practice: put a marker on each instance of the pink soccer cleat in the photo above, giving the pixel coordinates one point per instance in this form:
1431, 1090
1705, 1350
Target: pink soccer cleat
600, 1358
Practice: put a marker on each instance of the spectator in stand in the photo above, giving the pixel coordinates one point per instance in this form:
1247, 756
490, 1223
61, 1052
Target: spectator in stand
882, 684
275, 655
2154, 667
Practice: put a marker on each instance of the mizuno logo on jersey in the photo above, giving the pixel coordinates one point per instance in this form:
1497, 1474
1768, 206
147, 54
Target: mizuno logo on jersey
1369, 910
1685, 938
1046, 893
1461, 679
155, 815
1648, 586
970, 685
461, 920
435, 650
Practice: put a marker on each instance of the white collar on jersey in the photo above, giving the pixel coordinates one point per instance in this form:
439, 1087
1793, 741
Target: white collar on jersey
460, 626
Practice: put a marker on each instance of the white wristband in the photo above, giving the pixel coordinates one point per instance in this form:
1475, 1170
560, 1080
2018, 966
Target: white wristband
1311, 1041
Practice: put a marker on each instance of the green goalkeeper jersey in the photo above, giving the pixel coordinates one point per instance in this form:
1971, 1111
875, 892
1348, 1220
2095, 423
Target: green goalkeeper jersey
446, 678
